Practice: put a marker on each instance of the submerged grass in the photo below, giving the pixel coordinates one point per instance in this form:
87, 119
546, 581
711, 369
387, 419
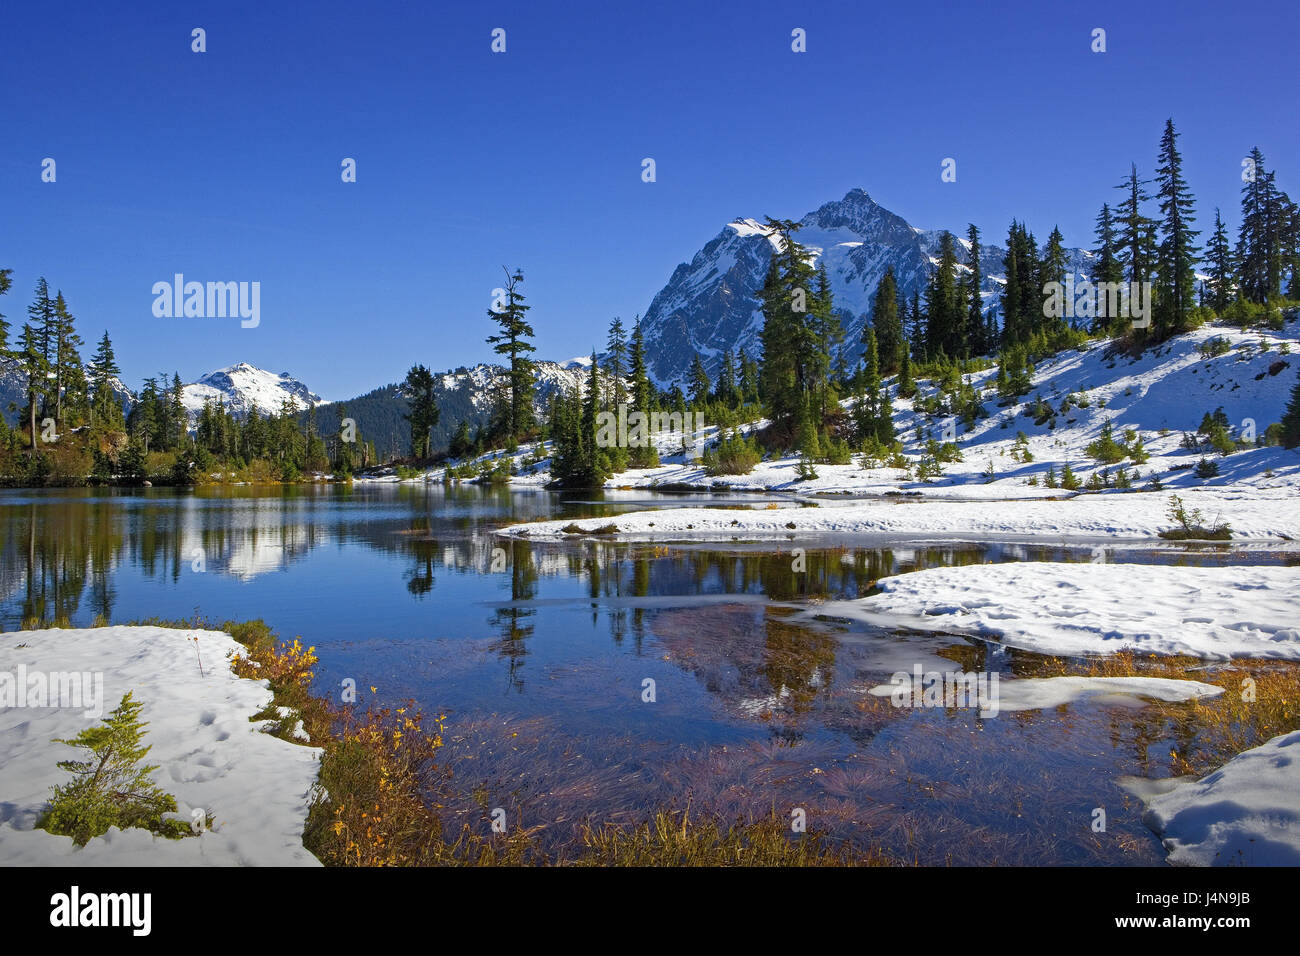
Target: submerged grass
1261, 700
383, 795
674, 839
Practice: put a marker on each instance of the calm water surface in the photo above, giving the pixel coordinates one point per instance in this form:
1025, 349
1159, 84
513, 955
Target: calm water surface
538, 653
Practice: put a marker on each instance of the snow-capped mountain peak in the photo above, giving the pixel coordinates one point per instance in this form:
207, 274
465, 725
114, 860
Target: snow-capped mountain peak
709, 304
243, 387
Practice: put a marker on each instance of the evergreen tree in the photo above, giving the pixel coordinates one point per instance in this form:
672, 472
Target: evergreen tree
976, 343
1032, 317
461, 443
514, 342
1013, 324
1218, 254
699, 384
6, 282
792, 345
34, 368
112, 786
725, 391
916, 332
36, 349
643, 392
418, 390
1176, 254
885, 322
1053, 266
143, 421
106, 412
1108, 267
69, 376
1291, 420
945, 313
1266, 244
867, 406
1136, 232
906, 387
616, 362
749, 378
827, 334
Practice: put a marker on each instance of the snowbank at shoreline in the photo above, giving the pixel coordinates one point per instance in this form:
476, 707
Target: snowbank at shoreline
1246, 813
1254, 514
210, 755
1078, 609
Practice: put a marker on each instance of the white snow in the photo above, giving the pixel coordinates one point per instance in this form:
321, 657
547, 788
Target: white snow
1256, 514
1246, 813
210, 755
1077, 609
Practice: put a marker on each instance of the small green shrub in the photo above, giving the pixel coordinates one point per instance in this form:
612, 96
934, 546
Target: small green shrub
732, 455
112, 788
1191, 525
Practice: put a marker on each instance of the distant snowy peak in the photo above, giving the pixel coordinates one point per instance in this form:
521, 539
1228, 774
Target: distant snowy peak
244, 387
709, 304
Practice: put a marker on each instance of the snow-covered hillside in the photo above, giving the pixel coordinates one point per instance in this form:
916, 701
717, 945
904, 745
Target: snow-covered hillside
998, 489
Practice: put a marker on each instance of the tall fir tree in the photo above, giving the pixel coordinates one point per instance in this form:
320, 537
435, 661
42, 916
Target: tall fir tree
945, 312
1291, 418
886, 323
699, 384
750, 391
1176, 254
643, 392
1012, 313
1137, 250
1054, 264
105, 410
6, 283
725, 390
867, 406
1108, 268
514, 341
616, 362
36, 345
1265, 240
1218, 254
418, 390
791, 347
975, 329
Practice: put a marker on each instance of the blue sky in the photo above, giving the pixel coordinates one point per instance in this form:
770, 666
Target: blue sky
226, 165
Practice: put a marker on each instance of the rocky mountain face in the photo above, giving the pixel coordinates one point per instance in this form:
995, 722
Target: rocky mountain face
709, 303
